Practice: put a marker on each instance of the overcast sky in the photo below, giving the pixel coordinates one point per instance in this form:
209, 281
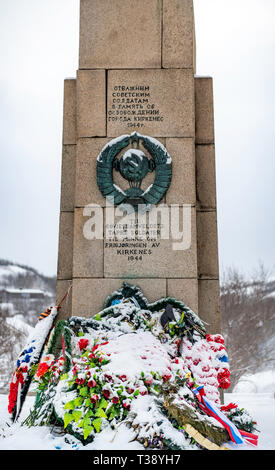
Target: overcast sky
39, 48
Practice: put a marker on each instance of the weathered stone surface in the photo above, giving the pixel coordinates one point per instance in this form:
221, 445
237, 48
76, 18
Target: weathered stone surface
178, 50
161, 106
204, 110
209, 304
89, 294
120, 34
65, 310
86, 161
206, 176
69, 112
154, 258
208, 263
185, 290
68, 178
87, 253
183, 185
91, 103
65, 248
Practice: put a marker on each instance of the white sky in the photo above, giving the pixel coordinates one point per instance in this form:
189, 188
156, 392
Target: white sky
39, 48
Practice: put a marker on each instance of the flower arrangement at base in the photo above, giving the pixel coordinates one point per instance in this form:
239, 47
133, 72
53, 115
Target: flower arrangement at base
132, 366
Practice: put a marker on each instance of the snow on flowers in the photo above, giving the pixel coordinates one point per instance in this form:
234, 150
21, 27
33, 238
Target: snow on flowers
117, 359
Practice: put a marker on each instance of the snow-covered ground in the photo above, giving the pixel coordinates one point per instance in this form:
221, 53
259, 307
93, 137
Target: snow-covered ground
16, 437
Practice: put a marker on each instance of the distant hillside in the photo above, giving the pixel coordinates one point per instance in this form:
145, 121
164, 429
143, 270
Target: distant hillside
21, 276
24, 291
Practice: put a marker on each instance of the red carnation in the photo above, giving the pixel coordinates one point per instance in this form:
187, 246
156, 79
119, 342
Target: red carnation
218, 339
166, 377
42, 369
229, 407
83, 343
115, 400
126, 406
130, 390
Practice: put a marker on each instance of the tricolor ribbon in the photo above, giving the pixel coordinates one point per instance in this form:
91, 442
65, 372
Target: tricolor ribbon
209, 408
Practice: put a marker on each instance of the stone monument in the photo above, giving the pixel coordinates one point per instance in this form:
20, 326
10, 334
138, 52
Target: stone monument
138, 128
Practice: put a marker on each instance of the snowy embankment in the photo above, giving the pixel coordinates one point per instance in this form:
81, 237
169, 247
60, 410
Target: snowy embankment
17, 437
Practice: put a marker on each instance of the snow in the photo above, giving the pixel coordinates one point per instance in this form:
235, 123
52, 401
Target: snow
17, 437
137, 352
11, 270
262, 382
23, 291
19, 323
262, 407
131, 152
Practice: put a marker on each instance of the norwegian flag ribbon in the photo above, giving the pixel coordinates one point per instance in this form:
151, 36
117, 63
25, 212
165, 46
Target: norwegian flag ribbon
209, 408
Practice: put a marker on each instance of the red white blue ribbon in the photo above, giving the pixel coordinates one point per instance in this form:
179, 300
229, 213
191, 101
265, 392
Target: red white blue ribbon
212, 410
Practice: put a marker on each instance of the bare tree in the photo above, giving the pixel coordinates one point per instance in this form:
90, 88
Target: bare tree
248, 312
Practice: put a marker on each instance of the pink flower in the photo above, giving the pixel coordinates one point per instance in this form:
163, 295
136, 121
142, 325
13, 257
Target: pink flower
148, 382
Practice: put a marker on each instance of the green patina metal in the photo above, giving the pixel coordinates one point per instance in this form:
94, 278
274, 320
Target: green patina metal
133, 166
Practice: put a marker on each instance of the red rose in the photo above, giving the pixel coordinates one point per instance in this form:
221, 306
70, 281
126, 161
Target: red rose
83, 343
108, 378
130, 390
115, 400
123, 378
91, 383
196, 362
93, 398
106, 393
166, 377
80, 381
126, 406
143, 392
